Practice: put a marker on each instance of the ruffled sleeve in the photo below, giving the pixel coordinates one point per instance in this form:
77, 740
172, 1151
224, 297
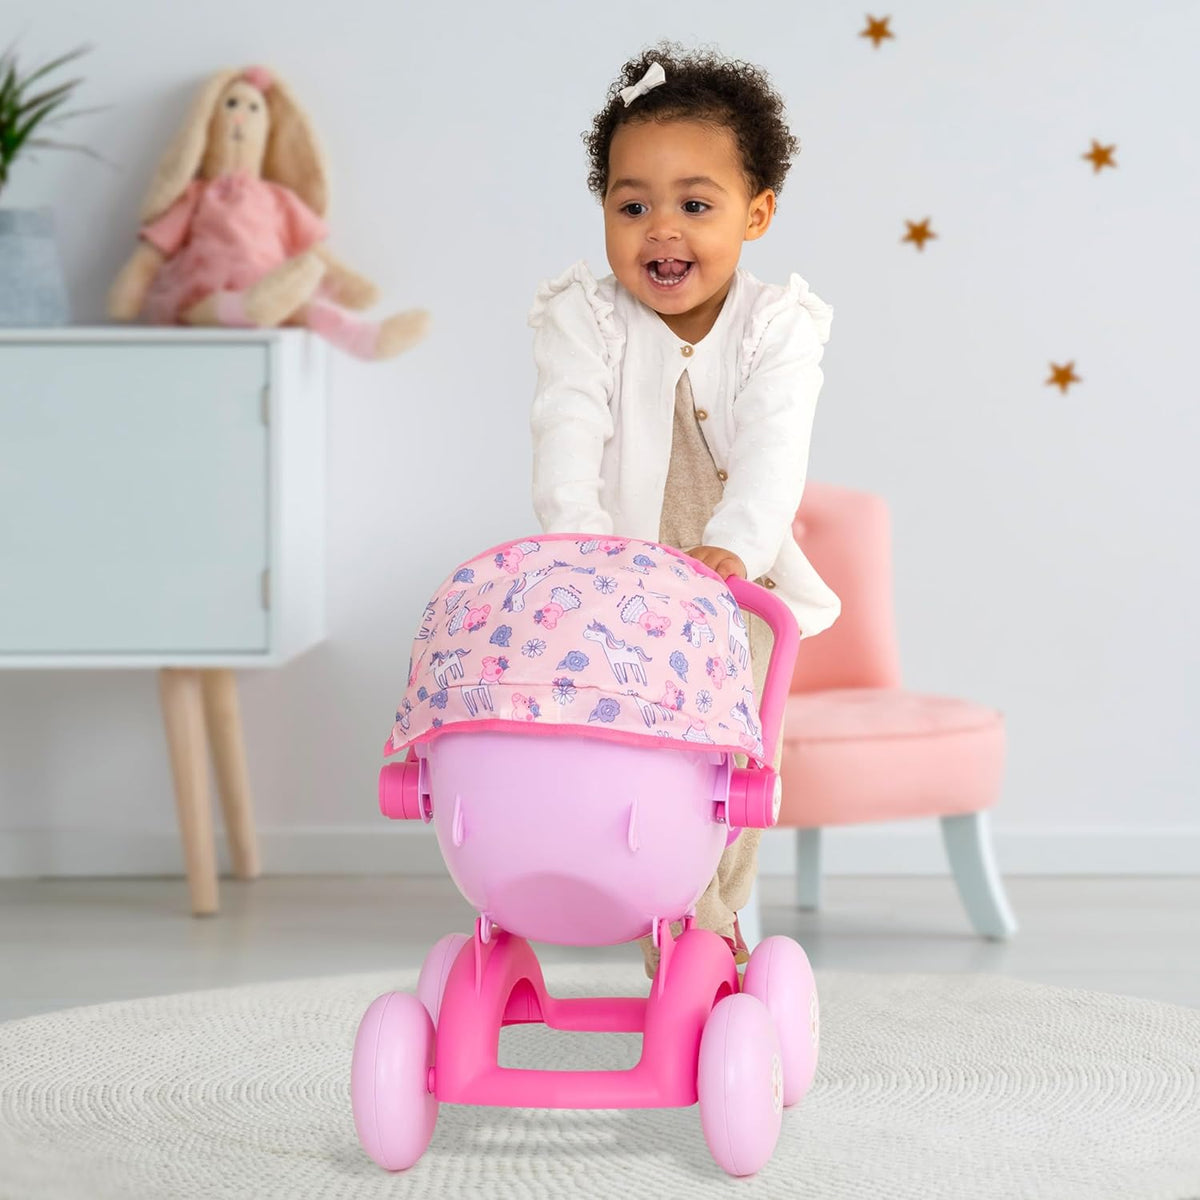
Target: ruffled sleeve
576, 346
579, 279
774, 302
773, 413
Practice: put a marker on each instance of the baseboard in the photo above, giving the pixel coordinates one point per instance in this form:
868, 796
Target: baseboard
914, 849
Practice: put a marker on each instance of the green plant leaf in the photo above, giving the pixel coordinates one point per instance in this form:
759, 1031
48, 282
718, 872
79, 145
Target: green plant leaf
59, 93
23, 111
46, 144
33, 120
71, 114
8, 88
70, 56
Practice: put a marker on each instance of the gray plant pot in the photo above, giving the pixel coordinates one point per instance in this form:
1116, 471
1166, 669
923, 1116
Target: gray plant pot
32, 288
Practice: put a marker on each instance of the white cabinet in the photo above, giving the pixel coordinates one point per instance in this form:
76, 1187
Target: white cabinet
162, 506
161, 497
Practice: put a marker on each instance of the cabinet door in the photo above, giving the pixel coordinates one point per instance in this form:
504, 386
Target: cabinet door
133, 498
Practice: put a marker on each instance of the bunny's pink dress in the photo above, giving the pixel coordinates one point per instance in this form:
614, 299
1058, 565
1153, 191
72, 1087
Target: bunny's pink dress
224, 234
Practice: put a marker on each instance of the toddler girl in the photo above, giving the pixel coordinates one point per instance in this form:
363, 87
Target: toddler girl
675, 396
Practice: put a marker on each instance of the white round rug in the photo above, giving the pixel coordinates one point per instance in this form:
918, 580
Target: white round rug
928, 1086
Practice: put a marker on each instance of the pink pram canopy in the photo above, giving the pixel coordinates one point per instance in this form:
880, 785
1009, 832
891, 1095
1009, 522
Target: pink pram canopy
606, 637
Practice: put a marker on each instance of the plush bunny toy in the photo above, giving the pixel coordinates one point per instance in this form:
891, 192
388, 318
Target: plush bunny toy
233, 228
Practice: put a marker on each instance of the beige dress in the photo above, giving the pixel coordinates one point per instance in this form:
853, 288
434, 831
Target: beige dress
693, 490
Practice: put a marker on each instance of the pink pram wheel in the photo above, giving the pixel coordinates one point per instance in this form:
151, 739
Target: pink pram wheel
779, 974
436, 970
394, 1110
571, 717
740, 1084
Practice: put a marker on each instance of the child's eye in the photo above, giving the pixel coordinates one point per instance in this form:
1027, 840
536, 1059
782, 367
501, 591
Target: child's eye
701, 206
632, 204
231, 102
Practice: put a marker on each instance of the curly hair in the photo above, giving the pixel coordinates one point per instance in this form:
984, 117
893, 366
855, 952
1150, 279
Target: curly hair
701, 85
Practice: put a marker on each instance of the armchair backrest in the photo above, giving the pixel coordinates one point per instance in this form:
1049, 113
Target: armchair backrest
846, 535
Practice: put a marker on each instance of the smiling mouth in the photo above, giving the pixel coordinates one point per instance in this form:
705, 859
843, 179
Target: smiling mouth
668, 273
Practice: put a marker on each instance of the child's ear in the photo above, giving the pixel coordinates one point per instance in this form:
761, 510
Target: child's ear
762, 209
181, 159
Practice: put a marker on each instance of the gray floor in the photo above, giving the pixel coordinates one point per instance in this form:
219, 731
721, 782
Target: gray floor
72, 942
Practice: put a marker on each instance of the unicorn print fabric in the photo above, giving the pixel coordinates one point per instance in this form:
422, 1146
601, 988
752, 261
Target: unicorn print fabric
601, 636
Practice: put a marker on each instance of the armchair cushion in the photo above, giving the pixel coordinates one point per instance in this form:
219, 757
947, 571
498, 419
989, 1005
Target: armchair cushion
879, 754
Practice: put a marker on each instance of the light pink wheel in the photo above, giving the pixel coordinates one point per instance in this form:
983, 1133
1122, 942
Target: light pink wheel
394, 1110
779, 974
431, 983
740, 1084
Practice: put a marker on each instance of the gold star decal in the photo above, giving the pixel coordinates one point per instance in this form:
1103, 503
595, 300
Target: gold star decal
918, 232
1063, 376
877, 30
1100, 156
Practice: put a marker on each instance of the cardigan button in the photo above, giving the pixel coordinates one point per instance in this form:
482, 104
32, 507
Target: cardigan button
701, 414
722, 474
686, 351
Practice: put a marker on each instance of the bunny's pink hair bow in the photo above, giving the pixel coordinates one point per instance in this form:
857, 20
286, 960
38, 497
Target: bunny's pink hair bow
258, 77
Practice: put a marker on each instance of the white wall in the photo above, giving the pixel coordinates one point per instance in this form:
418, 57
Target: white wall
1045, 544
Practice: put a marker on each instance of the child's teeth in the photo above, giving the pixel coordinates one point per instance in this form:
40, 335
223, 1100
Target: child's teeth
670, 279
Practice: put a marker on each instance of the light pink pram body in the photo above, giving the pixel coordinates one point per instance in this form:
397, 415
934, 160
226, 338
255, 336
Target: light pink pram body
583, 835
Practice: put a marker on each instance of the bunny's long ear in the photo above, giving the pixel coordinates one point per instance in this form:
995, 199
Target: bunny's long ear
293, 155
179, 164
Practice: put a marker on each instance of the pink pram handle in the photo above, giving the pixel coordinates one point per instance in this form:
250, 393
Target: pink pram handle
786, 631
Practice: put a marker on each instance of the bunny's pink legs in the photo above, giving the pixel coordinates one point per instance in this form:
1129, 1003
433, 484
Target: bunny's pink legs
289, 294
268, 302
365, 339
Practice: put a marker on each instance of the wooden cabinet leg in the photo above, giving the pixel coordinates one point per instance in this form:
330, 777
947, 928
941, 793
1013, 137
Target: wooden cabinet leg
183, 717
224, 720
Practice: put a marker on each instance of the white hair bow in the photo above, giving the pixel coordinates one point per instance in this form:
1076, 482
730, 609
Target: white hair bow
653, 77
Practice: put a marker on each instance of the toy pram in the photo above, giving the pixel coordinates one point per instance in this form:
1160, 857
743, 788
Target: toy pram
571, 717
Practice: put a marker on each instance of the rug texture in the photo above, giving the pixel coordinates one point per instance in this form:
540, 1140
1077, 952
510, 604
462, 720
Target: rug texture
956, 1086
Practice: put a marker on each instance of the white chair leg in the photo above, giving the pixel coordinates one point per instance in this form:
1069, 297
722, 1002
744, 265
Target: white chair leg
750, 920
808, 867
969, 847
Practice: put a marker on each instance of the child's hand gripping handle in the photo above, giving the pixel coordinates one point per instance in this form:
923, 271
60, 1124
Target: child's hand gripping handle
754, 792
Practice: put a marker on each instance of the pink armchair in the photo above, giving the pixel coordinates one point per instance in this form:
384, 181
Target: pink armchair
857, 746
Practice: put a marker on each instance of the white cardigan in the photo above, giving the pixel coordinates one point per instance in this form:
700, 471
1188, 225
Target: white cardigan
602, 418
